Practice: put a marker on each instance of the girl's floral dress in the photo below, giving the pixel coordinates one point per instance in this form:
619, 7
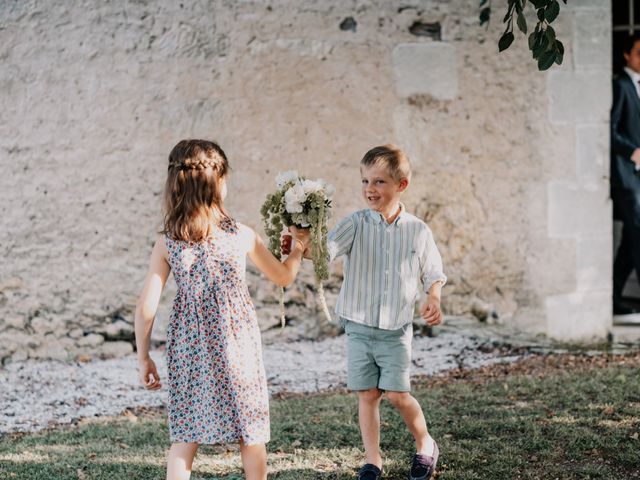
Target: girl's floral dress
217, 384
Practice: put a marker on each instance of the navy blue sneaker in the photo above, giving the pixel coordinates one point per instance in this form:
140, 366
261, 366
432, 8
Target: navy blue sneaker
423, 466
369, 472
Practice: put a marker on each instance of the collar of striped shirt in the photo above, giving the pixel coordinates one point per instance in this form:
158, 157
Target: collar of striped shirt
379, 217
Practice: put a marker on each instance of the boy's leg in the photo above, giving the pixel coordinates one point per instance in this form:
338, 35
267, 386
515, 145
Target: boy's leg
394, 357
413, 417
254, 461
180, 460
362, 377
369, 419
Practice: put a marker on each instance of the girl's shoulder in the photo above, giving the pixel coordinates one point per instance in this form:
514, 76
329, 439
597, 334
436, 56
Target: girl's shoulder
160, 247
246, 236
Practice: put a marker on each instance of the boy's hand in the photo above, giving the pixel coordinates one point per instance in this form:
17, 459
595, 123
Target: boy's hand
149, 374
431, 312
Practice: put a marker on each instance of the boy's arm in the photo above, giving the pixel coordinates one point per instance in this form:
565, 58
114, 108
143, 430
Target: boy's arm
340, 238
433, 278
431, 271
431, 311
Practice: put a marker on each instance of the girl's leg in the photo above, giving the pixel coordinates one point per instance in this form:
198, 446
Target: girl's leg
369, 419
180, 460
254, 461
411, 413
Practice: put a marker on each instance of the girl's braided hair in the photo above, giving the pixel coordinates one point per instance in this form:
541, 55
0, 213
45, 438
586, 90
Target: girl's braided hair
193, 201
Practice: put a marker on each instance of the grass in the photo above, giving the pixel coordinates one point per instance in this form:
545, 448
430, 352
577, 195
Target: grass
566, 417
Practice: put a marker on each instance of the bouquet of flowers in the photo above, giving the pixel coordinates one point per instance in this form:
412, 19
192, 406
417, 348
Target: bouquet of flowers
305, 204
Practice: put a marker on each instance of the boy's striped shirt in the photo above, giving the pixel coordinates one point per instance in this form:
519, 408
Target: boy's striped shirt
383, 267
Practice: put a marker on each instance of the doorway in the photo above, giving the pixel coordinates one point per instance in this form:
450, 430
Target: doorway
626, 22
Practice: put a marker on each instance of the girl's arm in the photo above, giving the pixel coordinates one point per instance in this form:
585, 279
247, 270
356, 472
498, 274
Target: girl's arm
146, 309
281, 273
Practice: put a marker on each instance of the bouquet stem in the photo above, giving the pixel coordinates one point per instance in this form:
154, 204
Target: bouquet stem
323, 301
282, 319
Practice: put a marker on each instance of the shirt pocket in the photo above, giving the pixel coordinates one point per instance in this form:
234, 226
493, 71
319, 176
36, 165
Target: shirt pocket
410, 264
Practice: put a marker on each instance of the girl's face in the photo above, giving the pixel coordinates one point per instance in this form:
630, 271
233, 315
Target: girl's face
380, 190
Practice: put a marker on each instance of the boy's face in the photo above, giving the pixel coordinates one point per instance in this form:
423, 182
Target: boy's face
380, 190
633, 57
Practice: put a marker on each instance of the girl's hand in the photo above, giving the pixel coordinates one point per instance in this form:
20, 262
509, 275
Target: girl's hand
149, 374
286, 243
431, 312
302, 234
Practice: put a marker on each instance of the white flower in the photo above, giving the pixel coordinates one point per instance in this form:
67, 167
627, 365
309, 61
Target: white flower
283, 178
294, 197
309, 186
329, 189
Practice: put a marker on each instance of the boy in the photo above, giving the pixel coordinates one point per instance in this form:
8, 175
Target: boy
387, 252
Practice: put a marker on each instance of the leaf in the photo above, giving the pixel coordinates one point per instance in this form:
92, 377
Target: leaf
546, 60
541, 14
483, 3
550, 33
485, 15
559, 47
541, 45
552, 11
505, 41
522, 23
518, 6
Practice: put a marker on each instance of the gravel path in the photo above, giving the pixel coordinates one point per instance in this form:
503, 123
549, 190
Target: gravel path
36, 395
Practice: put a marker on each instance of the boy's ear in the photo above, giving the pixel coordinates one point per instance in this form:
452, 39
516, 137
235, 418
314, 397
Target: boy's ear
404, 183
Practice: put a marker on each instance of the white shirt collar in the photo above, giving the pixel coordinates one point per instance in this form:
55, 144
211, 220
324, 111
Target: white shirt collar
635, 76
378, 217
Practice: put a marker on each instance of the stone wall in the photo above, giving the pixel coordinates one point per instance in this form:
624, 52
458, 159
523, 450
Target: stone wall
509, 166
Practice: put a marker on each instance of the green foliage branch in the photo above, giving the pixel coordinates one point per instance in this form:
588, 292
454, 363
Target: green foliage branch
316, 209
544, 45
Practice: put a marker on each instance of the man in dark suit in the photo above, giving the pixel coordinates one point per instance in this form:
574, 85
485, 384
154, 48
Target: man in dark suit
625, 169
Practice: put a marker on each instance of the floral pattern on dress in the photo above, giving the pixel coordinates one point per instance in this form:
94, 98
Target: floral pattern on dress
217, 383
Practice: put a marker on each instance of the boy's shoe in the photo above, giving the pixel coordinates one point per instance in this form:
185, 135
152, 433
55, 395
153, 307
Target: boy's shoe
423, 466
369, 472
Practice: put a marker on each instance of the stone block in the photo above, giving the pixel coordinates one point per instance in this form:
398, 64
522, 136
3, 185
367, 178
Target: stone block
18, 322
579, 5
592, 38
626, 334
579, 316
114, 349
91, 340
592, 154
573, 210
594, 262
583, 96
426, 69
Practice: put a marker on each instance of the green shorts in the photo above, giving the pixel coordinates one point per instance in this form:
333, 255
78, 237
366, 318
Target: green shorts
378, 358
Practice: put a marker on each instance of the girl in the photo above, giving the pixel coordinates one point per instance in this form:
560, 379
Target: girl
217, 384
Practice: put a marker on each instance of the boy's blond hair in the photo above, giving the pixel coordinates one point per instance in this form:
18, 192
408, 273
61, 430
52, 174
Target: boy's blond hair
391, 158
